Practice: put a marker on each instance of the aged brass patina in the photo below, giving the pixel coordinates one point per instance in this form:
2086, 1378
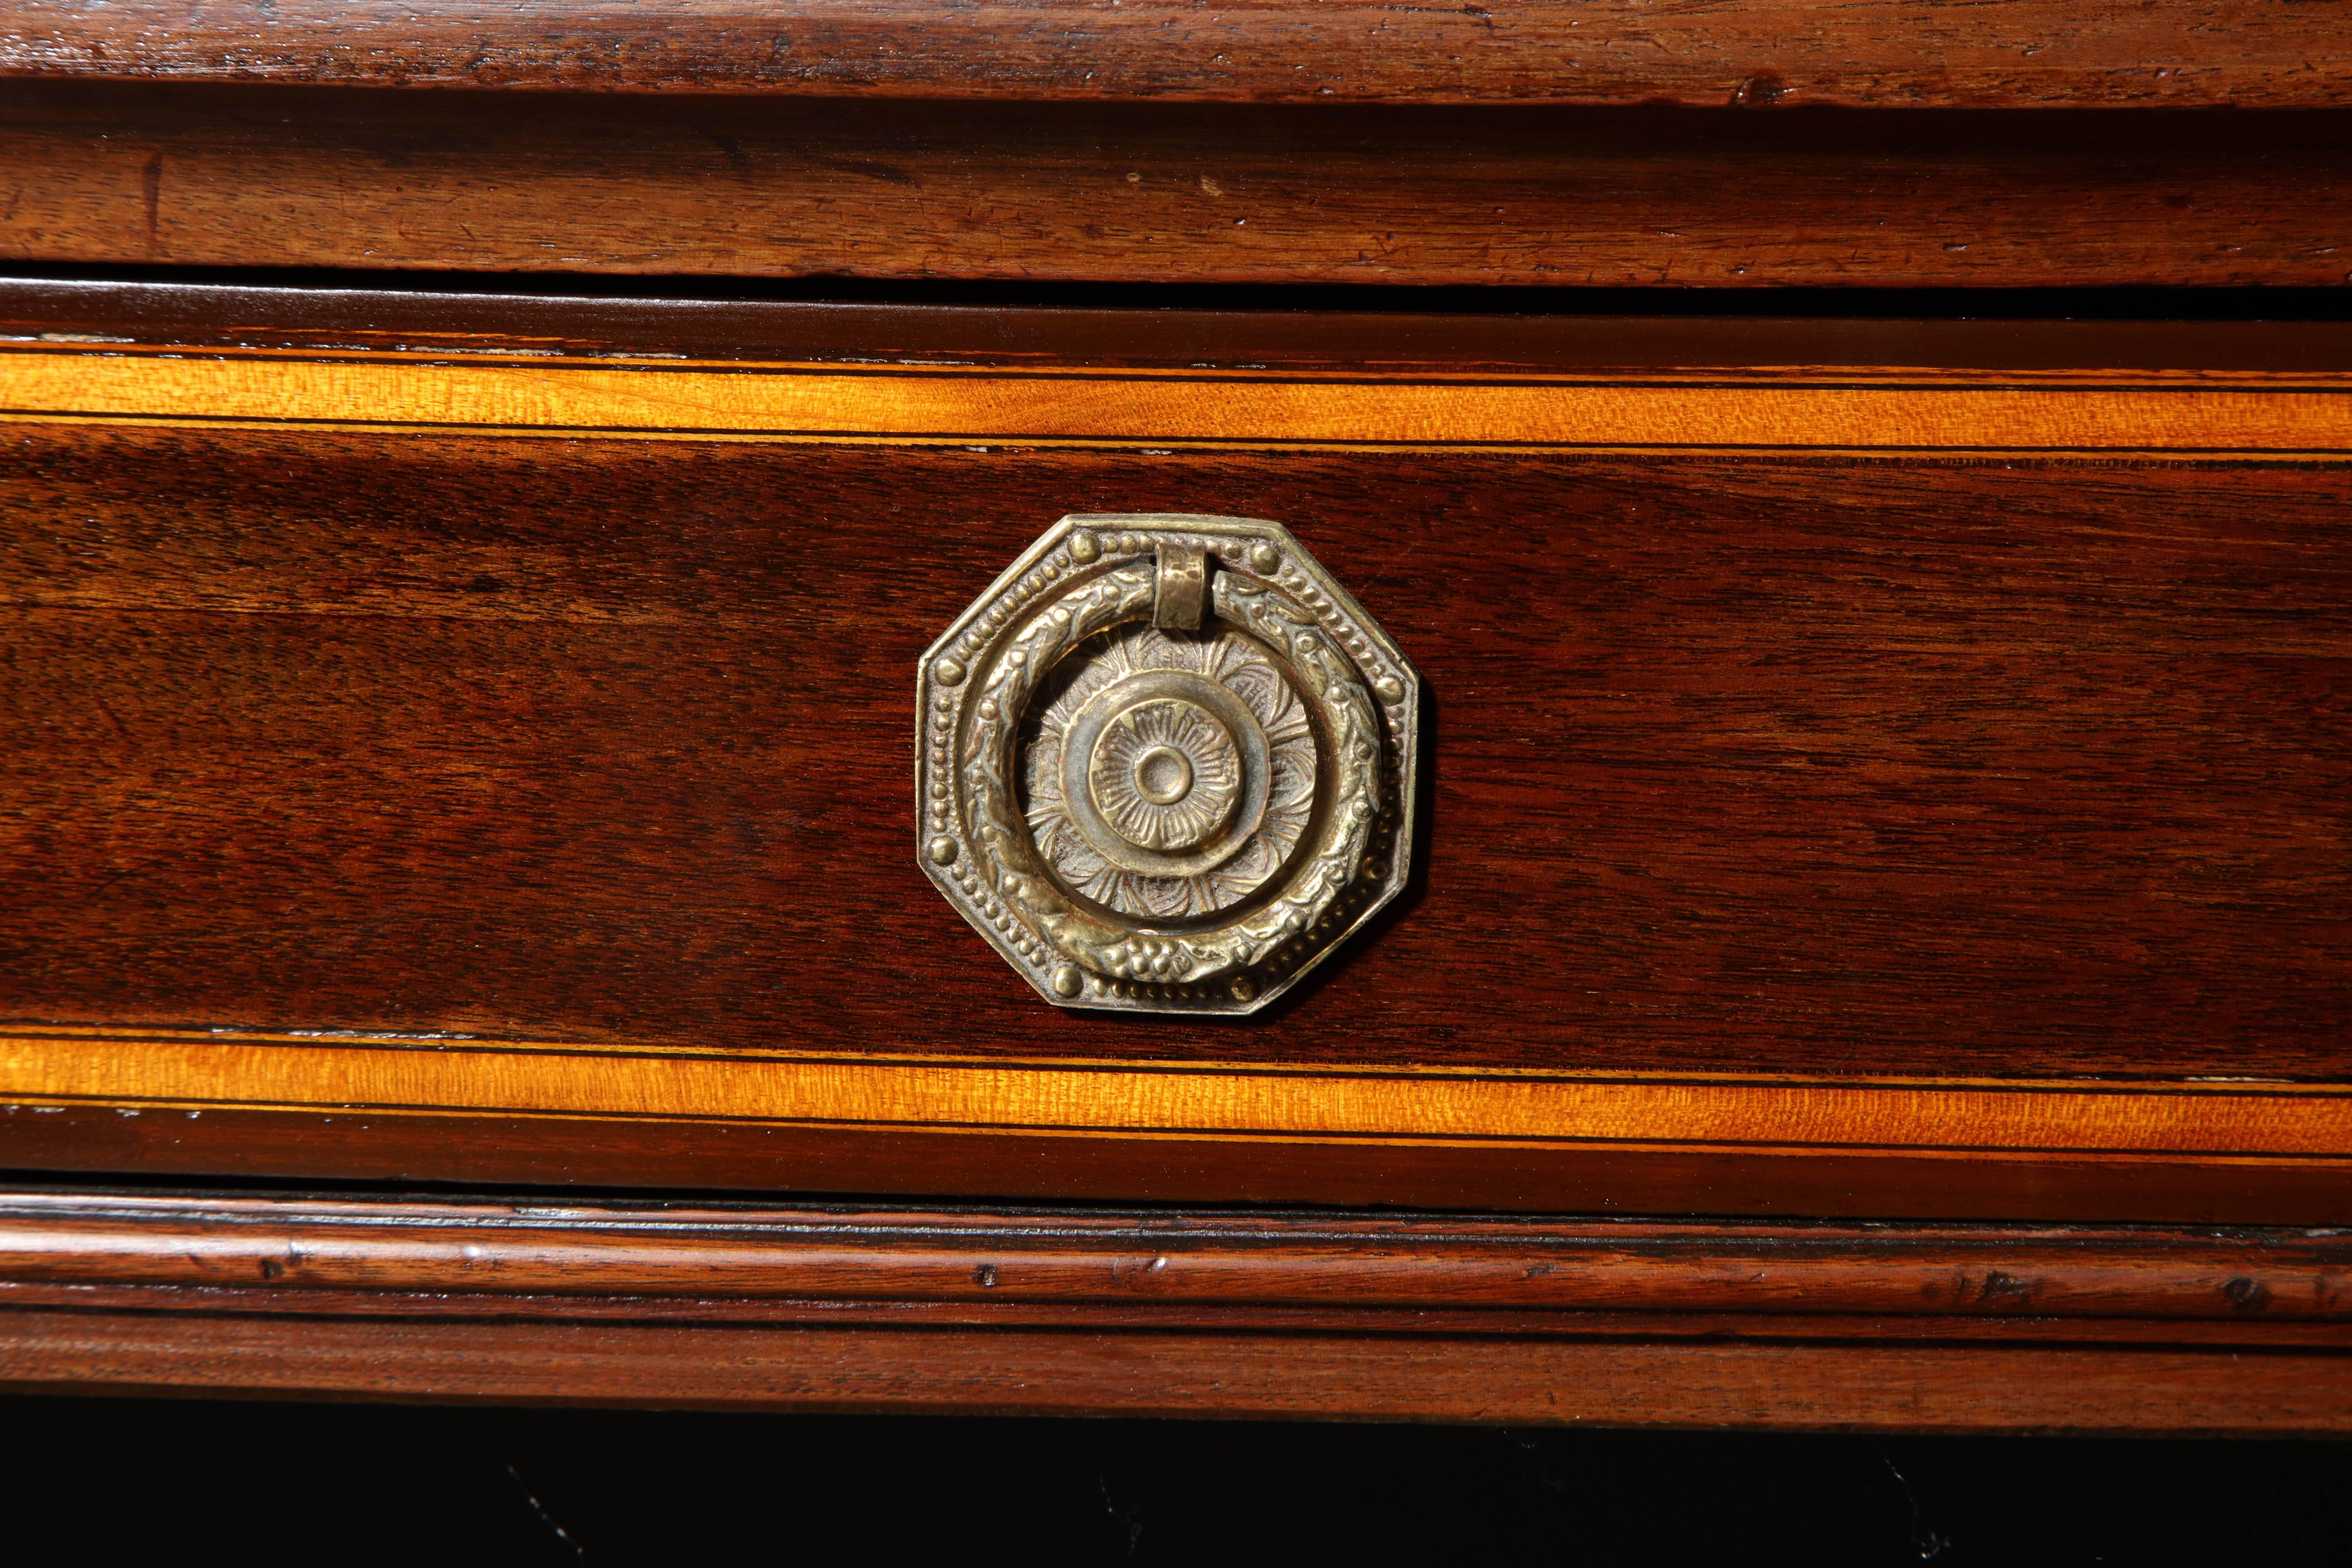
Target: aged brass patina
1165, 764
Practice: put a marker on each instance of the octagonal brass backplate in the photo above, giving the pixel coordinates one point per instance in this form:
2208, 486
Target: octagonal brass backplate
1165, 764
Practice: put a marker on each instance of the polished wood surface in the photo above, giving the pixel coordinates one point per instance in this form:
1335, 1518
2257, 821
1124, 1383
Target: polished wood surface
1841, 411
2229, 1119
1891, 53
295, 177
1521, 1139
1767, 823
685, 1154
1138, 1267
502, 768
1883, 775
1955, 1328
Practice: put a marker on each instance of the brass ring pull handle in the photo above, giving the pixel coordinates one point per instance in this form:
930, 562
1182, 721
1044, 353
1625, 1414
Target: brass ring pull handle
1164, 763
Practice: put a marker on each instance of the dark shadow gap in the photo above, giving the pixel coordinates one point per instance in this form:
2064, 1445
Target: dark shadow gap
2119, 304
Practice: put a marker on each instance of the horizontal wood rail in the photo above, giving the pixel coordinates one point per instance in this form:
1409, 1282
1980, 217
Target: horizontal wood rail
2011, 53
1922, 1328
1181, 1261
1031, 195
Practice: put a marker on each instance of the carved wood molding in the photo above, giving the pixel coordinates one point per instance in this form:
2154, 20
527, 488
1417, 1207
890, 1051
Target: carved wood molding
1563, 1275
1917, 1328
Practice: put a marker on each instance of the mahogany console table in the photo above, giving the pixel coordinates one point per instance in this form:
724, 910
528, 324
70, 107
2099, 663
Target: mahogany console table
1165, 709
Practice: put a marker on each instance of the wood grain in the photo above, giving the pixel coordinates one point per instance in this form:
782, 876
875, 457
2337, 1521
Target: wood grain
1748, 769
335, 730
1013, 1166
1980, 416
2246, 416
1165, 1265
2011, 53
245, 177
1923, 1329
1437, 1378
1391, 1104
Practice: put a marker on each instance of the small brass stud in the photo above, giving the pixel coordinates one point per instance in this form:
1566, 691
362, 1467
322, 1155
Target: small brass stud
1265, 557
1241, 990
948, 672
1084, 547
943, 851
1066, 980
1390, 689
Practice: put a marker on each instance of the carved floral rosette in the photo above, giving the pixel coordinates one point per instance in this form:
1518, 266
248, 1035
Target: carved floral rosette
1156, 816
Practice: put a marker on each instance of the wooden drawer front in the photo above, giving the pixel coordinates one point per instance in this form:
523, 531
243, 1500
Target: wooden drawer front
1890, 788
